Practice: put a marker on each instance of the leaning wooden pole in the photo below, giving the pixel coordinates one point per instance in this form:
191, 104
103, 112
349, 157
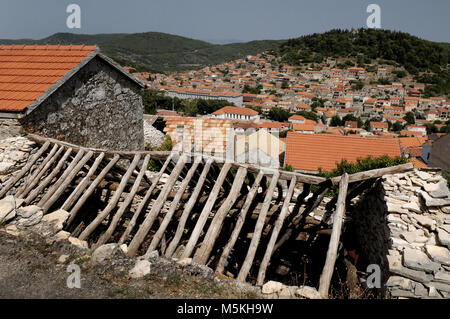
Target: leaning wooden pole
245, 269
187, 209
156, 208
239, 223
49, 178
16, 177
83, 184
327, 272
62, 187
37, 171
202, 254
118, 215
275, 232
91, 188
173, 206
113, 202
44, 170
206, 211
54, 188
143, 202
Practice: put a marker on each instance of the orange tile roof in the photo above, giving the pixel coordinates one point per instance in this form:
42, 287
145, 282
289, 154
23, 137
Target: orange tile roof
235, 110
412, 141
417, 163
311, 151
28, 71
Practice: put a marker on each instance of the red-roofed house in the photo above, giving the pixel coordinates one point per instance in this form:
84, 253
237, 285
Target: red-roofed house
72, 93
378, 127
236, 113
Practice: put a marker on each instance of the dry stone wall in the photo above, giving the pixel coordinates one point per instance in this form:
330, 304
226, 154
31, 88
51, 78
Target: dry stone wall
403, 225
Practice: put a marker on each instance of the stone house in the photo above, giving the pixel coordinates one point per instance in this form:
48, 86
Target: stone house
72, 93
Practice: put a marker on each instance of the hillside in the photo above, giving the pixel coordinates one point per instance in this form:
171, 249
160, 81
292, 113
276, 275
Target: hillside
427, 61
157, 52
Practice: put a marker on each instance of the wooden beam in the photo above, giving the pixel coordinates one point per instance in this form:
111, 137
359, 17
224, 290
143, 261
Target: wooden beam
92, 187
16, 177
206, 211
375, 173
239, 223
62, 187
143, 202
156, 208
187, 209
245, 269
49, 178
52, 189
160, 155
113, 202
327, 272
115, 221
296, 220
83, 184
47, 164
202, 254
275, 232
36, 172
173, 206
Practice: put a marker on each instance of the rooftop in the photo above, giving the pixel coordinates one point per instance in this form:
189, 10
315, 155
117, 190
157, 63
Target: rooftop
311, 151
28, 71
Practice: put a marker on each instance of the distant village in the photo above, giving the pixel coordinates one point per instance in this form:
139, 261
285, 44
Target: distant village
347, 111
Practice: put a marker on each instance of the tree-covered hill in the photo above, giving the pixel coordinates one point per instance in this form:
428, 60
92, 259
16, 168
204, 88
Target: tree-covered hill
427, 61
154, 51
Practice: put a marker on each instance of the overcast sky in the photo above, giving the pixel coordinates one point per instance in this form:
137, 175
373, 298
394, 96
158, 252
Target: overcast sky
222, 20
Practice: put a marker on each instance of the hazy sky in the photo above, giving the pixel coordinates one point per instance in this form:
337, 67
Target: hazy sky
222, 20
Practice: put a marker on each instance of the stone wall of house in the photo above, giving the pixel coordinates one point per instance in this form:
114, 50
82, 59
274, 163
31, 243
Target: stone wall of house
10, 128
403, 225
98, 107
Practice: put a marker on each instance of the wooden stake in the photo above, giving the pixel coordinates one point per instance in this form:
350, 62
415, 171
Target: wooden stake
141, 206
33, 181
83, 184
51, 191
202, 254
16, 177
113, 202
296, 220
62, 187
37, 171
275, 232
187, 210
258, 230
327, 272
206, 211
173, 206
239, 223
49, 178
148, 222
91, 188
115, 221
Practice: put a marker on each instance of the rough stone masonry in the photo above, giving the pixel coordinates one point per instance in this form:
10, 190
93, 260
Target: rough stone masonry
403, 225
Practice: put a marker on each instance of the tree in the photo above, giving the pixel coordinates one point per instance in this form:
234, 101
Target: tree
336, 121
397, 127
279, 114
409, 118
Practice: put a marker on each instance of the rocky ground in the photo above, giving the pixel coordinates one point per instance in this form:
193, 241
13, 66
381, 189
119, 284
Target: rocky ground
34, 267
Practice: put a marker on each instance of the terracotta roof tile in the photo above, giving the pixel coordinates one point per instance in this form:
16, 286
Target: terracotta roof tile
27, 71
311, 151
